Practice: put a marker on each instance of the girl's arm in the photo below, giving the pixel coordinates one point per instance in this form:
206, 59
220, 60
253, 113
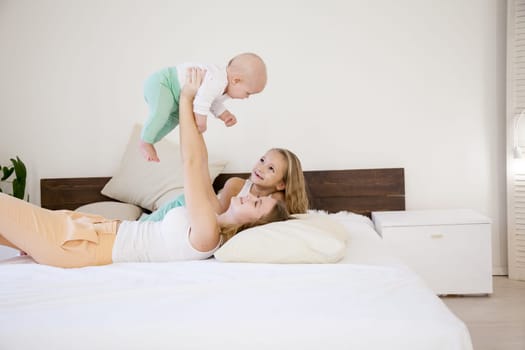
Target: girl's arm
231, 188
204, 230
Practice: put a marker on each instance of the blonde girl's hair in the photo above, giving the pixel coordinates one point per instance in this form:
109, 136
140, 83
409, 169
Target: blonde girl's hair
295, 194
279, 212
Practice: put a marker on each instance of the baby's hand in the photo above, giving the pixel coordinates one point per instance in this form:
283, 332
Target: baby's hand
201, 121
228, 118
149, 152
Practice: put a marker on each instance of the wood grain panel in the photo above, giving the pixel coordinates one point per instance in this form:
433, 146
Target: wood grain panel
71, 193
361, 191
362, 182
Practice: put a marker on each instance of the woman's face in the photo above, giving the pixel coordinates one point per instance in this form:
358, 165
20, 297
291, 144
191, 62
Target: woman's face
249, 209
269, 170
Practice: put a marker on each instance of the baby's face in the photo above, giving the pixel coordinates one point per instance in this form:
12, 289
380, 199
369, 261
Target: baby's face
244, 88
239, 90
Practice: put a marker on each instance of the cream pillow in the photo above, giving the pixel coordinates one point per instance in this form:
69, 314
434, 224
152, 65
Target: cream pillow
169, 196
309, 239
143, 183
112, 210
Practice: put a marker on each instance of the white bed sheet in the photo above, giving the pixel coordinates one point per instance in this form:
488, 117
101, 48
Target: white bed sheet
370, 300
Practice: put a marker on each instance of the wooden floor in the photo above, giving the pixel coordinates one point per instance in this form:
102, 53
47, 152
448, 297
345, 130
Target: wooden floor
495, 322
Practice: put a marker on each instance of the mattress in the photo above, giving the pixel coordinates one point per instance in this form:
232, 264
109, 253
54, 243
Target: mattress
369, 300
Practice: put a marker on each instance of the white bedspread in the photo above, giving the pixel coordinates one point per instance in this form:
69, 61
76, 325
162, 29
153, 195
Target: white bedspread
368, 301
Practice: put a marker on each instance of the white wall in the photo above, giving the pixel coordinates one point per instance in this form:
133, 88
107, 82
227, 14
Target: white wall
418, 84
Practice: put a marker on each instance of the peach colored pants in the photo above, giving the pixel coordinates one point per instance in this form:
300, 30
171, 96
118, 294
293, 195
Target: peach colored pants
60, 238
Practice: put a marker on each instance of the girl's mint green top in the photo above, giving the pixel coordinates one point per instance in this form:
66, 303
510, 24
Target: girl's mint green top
159, 214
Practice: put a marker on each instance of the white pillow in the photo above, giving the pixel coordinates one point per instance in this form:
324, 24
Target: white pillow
169, 196
112, 210
140, 182
310, 239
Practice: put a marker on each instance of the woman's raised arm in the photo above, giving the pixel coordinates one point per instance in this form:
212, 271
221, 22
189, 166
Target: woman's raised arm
204, 234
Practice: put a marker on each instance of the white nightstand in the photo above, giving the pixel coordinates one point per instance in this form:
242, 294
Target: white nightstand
449, 249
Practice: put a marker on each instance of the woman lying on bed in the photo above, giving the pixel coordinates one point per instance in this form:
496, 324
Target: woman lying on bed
70, 239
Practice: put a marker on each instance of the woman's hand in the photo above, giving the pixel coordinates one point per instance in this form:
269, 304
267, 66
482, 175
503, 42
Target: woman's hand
194, 77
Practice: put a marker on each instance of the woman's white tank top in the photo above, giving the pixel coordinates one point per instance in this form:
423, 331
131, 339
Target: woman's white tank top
157, 241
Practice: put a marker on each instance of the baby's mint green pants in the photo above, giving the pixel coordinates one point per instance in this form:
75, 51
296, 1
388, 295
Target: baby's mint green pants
161, 92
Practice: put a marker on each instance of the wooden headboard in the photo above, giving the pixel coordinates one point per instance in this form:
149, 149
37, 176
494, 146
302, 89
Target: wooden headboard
360, 191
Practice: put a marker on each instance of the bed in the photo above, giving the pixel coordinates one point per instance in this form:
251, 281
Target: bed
368, 300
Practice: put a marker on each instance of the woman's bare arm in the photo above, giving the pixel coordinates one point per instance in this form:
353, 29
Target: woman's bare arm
204, 234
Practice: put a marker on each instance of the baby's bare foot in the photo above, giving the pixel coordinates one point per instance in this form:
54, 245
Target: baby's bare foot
149, 152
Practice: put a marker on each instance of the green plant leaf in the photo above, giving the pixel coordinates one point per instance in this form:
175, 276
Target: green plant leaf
20, 168
19, 183
6, 173
19, 187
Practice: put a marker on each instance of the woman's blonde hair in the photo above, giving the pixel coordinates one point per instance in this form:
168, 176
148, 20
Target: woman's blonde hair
295, 191
279, 212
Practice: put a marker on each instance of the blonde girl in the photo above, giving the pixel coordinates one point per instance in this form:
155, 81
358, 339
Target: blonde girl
278, 173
